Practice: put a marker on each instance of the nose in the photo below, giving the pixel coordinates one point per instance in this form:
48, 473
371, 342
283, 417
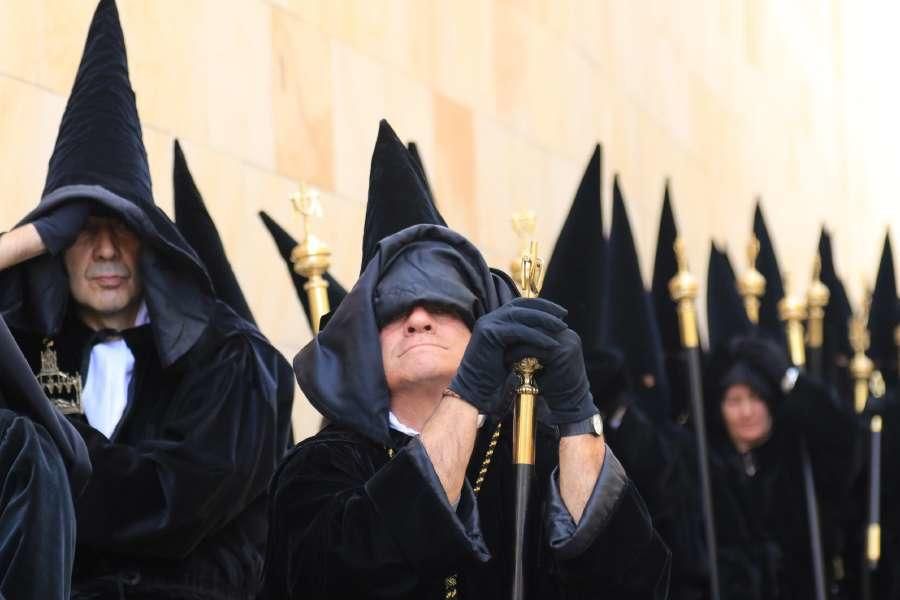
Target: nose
105, 244
419, 321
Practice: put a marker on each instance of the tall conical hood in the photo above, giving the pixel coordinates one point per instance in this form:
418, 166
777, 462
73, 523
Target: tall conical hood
575, 274
665, 267
629, 323
99, 141
398, 197
420, 166
99, 158
286, 245
770, 324
883, 316
836, 348
726, 316
198, 228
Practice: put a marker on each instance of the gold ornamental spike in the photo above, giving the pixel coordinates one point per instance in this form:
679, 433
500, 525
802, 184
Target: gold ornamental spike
523, 224
817, 297
792, 311
751, 283
684, 288
62, 389
531, 278
861, 366
312, 257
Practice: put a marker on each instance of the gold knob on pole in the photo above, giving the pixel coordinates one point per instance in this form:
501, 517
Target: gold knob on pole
530, 281
817, 297
684, 288
752, 284
861, 366
792, 311
312, 257
523, 224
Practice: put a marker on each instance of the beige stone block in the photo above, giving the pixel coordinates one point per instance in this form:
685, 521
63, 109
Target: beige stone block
29, 119
454, 179
41, 41
302, 100
511, 39
160, 156
359, 103
462, 40
409, 107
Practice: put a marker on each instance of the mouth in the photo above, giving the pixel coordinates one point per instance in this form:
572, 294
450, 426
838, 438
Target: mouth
422, 345
109, 281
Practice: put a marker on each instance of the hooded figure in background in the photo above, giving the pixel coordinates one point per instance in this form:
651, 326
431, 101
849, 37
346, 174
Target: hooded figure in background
576, 279
44, 461
758, 410
180, 410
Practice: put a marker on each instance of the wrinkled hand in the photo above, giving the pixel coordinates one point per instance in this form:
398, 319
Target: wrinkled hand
763, 355
60, 227
523, 327
563, 381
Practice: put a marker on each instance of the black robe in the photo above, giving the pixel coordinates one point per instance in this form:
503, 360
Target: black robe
176, 503
758, 497
349, 521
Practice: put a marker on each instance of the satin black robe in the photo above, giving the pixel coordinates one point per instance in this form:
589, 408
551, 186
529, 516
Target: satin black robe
346, 520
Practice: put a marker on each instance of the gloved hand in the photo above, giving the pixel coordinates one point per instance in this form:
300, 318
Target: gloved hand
60, 227
764, 355
523, 327
563, 381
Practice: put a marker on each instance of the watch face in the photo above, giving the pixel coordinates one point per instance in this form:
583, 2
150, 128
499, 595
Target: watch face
597, 423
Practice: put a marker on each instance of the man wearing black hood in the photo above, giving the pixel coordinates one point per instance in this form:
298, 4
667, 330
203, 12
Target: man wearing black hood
180, 415
408, 492
763, 408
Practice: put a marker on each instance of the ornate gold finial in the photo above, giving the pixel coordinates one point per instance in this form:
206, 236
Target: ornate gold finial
312, 257
531, 279
792, 311
684, 288
751, 283
62, 389
817, 297
861, 366
523, 224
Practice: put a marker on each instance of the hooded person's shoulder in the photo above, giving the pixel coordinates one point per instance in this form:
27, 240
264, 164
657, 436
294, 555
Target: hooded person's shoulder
334, 447
229, 333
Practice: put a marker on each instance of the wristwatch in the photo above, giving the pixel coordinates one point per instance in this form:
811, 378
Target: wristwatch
592, 425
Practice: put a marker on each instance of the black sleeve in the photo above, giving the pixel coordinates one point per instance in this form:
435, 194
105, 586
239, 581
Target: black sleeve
613, 551
215, 456
340, 527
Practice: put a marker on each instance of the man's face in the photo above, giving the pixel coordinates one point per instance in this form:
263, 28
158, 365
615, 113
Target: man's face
746, 417
422, 347
102, 264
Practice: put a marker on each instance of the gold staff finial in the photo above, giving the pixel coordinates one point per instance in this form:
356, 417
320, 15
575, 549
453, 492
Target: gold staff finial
752, 284
861, 366
792, 311
817, 298
523, 224
684, 288
312, 257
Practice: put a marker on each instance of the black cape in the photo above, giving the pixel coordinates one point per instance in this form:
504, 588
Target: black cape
349, 521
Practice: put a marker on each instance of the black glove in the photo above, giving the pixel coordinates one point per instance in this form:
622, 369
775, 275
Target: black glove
60, 227
563, 381
523, 327
765, 356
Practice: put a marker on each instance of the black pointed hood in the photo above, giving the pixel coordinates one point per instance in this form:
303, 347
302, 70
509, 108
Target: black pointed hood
836, 348
398, 197
340, 371
197, 226
286, 245
629, 323
770, 324
726, 316
883, 316
420, 166
99, 157
575, 273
